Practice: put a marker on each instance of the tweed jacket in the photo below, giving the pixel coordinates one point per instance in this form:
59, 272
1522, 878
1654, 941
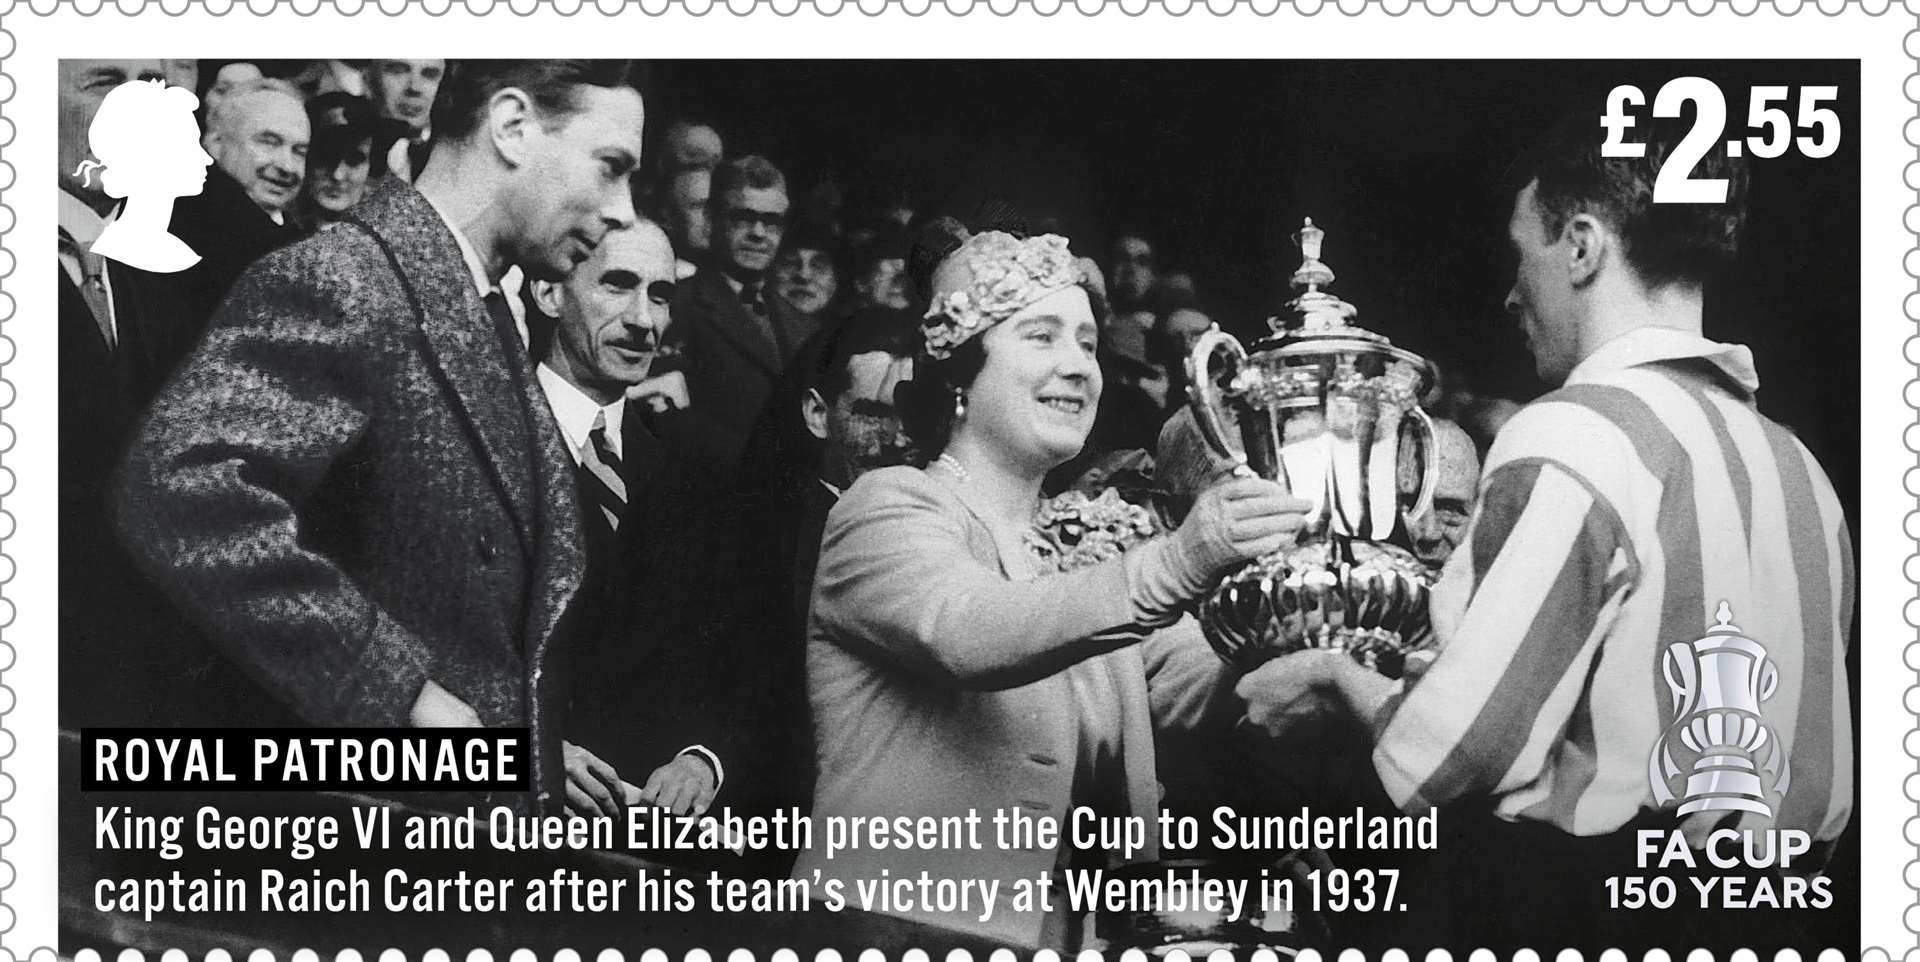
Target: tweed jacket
356, 485
940, 685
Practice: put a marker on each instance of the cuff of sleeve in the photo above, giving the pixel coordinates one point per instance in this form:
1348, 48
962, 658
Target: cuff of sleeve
1159, 583
384, 680
701, 752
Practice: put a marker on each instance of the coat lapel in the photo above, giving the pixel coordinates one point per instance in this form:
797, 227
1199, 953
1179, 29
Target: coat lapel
460, 341
731, 320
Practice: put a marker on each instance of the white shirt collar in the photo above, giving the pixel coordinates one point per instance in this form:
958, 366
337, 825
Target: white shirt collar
576, 412
1646, 345
508, 285
80, 222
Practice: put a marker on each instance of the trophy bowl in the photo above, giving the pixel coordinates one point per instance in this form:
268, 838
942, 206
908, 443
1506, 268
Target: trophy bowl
1366, 598
1330, 410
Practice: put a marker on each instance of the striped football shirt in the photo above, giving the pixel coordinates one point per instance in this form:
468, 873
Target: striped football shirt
1615, 515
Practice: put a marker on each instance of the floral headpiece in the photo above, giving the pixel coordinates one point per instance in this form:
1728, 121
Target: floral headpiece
1007, 275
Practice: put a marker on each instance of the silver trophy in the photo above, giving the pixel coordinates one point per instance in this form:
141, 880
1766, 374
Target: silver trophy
1718, 683
1328, 409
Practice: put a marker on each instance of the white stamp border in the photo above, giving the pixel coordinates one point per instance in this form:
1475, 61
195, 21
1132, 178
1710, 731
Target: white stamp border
1890, 700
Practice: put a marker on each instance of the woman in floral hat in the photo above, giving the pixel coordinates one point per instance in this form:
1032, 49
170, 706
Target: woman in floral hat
960, 659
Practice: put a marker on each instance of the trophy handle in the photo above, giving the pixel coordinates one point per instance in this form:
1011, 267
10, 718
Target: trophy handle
1430, 459
1203, 395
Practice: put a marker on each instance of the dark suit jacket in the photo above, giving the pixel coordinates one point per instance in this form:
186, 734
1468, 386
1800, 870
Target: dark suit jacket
731, 367
356, 486
229, 232
123, 659
656, 669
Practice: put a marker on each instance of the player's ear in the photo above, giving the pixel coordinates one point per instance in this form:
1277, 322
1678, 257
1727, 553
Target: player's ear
1589, 243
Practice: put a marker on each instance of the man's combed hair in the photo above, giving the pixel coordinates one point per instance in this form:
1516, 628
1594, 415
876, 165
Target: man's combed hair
551, 84
227, 113
1689, 244
740, 173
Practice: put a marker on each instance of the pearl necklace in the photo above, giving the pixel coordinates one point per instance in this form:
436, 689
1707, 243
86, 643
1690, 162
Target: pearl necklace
953, 464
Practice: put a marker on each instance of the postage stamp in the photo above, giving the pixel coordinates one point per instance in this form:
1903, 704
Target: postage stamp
1285, 477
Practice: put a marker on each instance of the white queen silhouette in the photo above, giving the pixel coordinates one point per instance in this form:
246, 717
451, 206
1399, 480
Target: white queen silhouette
149, 153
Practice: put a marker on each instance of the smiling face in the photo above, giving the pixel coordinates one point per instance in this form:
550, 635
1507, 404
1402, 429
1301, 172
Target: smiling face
1543, 296
611, 312
571, 183
1033, 402
405, 89
262, 143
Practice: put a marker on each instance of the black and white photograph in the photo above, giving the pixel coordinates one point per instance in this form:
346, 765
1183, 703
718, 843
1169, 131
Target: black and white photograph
1066, 504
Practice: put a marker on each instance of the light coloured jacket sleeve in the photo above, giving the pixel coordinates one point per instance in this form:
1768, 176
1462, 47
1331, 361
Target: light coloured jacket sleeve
899, 580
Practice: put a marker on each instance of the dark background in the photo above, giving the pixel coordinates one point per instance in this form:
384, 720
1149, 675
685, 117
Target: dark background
1404, 164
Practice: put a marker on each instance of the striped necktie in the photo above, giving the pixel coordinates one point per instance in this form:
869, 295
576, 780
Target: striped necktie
605, 484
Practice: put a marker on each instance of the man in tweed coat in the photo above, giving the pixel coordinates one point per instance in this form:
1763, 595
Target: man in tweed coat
354, 484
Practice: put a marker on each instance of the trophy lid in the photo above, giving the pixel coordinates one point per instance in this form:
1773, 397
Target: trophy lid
1317, 323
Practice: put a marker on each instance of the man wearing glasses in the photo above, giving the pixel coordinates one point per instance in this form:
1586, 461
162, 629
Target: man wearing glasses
734, 350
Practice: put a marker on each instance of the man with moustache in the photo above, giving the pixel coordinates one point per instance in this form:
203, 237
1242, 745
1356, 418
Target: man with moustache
733, 350
646, 706
354, 483
258, 135
404, 92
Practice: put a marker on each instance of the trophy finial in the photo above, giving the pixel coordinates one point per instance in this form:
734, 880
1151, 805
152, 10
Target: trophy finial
1312, 274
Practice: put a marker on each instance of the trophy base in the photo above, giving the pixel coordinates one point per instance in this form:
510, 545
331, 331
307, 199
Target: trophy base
1366, 598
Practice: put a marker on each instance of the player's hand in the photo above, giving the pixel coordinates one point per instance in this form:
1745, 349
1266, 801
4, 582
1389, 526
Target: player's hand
1291, 690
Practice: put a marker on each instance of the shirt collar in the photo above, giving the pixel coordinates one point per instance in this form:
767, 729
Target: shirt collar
1648, 345
576, 411
481, 282
79, 221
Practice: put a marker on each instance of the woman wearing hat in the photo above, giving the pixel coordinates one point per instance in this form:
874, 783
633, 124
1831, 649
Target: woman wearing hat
952, 664
346, 155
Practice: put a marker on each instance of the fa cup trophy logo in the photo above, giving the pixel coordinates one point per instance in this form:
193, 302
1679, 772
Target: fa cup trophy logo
1718, 683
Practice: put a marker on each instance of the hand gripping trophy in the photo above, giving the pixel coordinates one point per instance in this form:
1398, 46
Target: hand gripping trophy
1327, 408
